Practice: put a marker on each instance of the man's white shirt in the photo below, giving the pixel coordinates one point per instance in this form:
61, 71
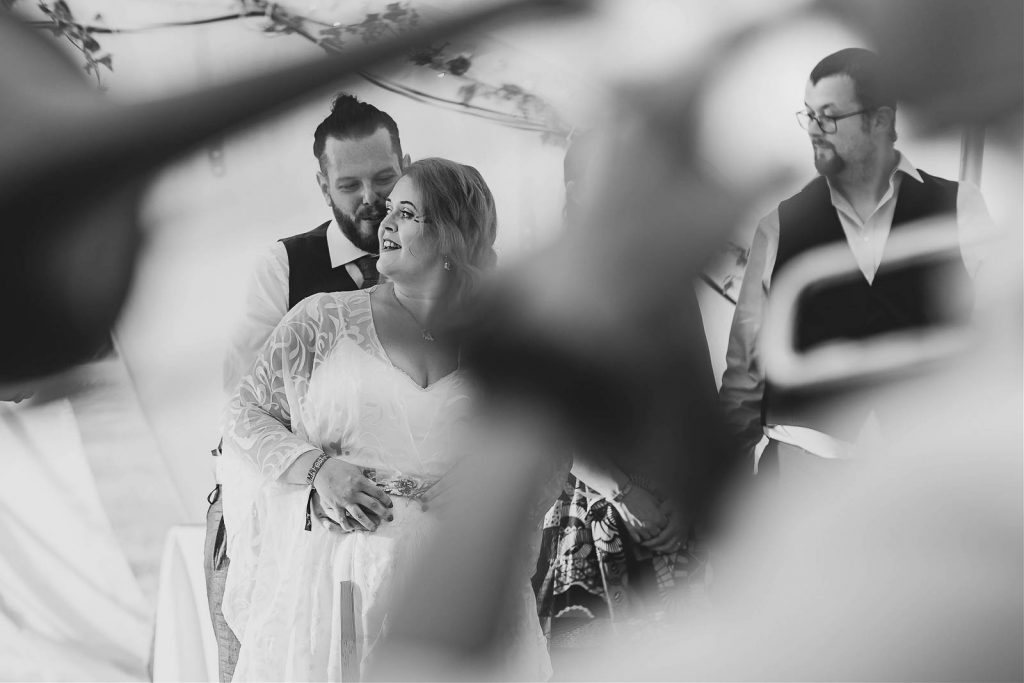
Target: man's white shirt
266, 302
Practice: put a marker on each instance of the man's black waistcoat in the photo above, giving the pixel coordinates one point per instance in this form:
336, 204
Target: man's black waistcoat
309, 266
900, 298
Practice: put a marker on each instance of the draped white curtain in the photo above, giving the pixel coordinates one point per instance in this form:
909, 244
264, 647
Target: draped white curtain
70, 607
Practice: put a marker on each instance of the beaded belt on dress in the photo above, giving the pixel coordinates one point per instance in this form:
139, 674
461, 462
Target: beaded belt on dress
400, 485
392, 484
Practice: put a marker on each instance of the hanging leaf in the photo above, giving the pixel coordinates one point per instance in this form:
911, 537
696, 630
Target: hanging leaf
106, 60
426, 55
333, 32
467, 92
510, 91
395, 12
63, 25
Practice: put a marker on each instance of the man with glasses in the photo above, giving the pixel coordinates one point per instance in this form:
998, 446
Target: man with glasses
866, 189
359, 156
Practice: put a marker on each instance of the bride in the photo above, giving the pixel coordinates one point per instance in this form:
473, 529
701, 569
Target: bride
351, 413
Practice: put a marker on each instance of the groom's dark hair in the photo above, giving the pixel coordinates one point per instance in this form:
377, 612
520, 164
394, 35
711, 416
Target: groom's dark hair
350, 118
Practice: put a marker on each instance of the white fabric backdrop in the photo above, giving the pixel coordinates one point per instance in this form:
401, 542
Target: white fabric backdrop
70, 608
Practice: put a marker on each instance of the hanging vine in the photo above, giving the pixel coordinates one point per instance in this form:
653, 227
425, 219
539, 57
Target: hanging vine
442, 59
62, 24
529, 112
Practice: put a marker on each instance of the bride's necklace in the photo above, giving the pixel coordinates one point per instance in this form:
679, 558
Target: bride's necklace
424, 331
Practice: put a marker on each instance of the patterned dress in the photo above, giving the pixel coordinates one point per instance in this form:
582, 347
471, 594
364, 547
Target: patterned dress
312, 605
592, 578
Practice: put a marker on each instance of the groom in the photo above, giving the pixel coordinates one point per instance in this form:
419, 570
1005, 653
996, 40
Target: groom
360, 159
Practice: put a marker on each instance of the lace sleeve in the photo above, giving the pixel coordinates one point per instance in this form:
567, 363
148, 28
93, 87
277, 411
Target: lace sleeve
263, 420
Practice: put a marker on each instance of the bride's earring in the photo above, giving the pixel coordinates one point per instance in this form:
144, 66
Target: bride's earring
447, 264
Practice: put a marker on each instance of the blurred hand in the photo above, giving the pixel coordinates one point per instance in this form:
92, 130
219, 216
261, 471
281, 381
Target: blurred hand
447, 489
342, 488
672, 536
641, 514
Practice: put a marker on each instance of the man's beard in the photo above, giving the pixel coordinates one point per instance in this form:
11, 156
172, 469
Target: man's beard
361, 229
828, 166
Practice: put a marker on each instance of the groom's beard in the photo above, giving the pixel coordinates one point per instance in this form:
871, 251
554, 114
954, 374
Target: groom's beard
361, 229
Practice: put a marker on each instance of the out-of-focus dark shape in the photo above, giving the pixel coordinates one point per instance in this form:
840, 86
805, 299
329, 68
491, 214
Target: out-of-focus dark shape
73, 165
582, 331
963, 65
825, 383
963, 60
603, 328
594, 335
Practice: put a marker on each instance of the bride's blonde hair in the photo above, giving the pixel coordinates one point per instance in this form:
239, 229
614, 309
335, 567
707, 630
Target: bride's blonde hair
462, 220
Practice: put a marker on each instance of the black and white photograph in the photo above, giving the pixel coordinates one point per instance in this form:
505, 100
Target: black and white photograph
511, 340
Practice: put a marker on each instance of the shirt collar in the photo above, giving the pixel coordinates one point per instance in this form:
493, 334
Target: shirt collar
339, 248
902, 164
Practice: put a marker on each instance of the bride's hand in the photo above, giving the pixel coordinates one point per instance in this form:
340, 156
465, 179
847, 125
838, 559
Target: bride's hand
343, 488
341, 525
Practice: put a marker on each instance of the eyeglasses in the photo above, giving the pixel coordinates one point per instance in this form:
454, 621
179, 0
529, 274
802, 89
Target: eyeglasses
826, 123
404, 214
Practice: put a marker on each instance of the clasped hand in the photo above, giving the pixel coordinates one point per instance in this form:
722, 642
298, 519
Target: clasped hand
347, 500
652, 523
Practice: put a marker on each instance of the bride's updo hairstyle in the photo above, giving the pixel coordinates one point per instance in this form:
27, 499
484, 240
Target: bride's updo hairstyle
462, 220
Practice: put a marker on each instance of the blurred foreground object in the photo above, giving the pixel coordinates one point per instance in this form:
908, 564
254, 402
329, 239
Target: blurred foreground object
73, 166
585, 346
71, 607
806, 379
908, 568
962, 62
906, 564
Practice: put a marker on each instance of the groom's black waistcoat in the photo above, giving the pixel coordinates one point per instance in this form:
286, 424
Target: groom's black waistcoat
900, 297
309, 266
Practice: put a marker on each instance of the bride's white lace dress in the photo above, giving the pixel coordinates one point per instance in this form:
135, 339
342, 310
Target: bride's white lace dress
325, 374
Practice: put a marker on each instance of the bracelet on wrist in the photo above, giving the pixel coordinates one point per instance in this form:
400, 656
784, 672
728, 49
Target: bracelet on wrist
315, 467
